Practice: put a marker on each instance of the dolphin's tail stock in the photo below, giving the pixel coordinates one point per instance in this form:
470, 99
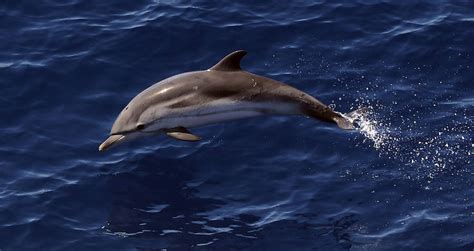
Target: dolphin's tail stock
349, 121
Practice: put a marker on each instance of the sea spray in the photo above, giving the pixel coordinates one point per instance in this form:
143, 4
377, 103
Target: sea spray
423, 154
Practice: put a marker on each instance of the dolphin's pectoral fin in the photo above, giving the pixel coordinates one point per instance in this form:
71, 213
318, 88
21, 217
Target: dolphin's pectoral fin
183, 136
182, 133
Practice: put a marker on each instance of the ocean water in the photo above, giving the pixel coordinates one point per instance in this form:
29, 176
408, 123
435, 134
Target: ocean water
403, 181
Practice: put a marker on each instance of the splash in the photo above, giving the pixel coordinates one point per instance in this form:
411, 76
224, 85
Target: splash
424, 153
373, 130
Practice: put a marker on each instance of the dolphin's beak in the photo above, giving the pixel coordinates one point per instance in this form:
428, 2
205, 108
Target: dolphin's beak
111, 141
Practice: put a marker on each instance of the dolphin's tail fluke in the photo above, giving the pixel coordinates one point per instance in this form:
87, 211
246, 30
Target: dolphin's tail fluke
344, 123
348, 121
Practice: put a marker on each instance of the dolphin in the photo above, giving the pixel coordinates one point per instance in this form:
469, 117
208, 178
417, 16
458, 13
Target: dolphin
223, 92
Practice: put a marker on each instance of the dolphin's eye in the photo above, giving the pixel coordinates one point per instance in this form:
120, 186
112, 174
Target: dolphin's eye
140, 126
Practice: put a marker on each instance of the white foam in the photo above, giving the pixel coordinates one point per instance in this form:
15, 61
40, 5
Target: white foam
422, 152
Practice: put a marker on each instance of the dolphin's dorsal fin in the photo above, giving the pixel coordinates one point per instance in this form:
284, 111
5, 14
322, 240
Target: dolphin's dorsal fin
230, 62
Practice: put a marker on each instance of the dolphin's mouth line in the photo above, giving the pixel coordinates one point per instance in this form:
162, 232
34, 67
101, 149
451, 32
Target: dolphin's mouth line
123, 132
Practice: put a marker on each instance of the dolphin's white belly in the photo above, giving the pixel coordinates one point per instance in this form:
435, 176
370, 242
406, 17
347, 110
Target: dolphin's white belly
221, 111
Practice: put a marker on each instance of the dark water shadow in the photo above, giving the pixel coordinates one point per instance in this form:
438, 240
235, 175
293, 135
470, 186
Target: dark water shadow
155, 206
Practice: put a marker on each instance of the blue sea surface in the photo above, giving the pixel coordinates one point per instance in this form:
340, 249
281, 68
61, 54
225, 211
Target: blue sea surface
403, 181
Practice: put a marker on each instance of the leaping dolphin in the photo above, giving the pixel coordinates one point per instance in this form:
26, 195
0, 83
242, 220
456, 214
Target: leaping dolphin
222, 93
